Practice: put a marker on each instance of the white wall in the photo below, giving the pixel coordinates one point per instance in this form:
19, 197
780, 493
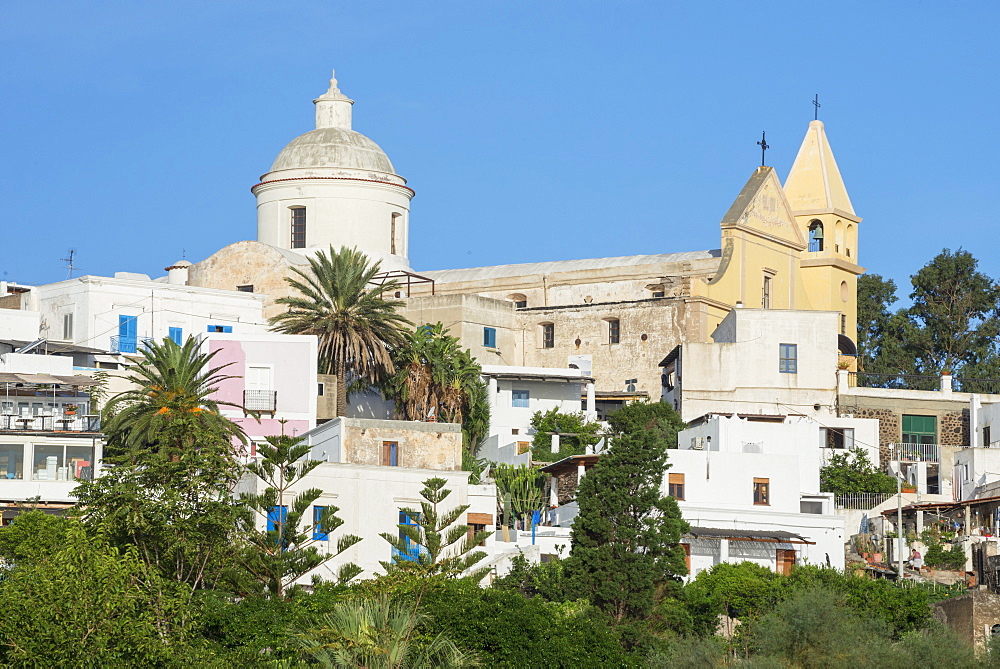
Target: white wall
739, 372
19, 325
97, 303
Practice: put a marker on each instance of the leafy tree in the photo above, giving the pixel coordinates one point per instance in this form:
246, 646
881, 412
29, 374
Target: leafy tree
431, 544
882, 333
341, 304
544, 579
32, 538
575, 434
435, 378
90, 604
176, 507
171, 406
288, 547
846, 474
523, 486
626, 536
956, 309
378, 633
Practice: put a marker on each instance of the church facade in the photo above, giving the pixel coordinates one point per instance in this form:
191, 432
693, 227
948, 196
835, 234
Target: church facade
782, 246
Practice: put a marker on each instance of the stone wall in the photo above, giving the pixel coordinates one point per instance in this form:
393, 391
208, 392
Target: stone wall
971, 616
953, 428
889, 426
567, 487
420, 445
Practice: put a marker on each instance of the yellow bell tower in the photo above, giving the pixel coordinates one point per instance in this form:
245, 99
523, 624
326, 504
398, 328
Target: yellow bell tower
823, 212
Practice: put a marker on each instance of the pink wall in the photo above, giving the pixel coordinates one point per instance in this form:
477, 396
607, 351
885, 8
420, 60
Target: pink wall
230, 390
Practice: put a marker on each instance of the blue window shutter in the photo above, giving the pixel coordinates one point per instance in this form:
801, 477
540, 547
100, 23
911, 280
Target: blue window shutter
490, 337
275, 515
318, 531
220, 328
177, 335
227, 328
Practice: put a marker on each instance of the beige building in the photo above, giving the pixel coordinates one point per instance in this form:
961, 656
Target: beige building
781, 247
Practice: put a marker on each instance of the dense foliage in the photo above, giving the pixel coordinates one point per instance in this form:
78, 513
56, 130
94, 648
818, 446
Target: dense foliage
951, 326
575, 434
853, 472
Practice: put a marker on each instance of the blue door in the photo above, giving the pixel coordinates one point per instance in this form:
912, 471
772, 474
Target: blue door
127, 334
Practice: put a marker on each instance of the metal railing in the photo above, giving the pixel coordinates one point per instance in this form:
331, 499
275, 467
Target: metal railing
982, 386
260, 400
915, 452
121, 344
863, 501
49, 423
897, 381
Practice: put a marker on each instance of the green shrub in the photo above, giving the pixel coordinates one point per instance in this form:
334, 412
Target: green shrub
938, 556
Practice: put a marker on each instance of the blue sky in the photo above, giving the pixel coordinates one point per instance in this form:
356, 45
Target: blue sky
132, 131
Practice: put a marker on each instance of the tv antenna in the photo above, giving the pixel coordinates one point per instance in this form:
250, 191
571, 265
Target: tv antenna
69, 263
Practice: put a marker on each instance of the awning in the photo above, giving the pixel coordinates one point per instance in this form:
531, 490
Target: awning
47, 379
763, 536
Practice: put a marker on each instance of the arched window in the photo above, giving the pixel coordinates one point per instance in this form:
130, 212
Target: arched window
815, 236
298, 227
849, 240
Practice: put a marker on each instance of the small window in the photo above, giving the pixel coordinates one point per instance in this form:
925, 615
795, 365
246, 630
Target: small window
762, 492
843, 437
220, 328
986, 436
675, 486
176, 335
390, 453
320, 389
68, 327
245, 289
519, 399
320, 532
412, 550
788, 358
474, 529
548, 335
766, 297
523, 447
490, 337
299, 228
659, 293
392, 232
843, 324
521, 304
614, 331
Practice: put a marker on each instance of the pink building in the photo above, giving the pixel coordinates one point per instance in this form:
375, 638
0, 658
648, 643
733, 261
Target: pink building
276, 376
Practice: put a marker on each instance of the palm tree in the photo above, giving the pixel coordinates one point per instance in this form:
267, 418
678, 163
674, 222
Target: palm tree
435, 378
171, 405
340, 304
378, 634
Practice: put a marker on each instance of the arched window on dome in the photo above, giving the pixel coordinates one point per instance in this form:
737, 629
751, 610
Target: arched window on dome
394, 227
815, 236
298, 227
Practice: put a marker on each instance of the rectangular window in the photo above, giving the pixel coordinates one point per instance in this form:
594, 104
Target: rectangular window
519, 399
523, 447
788, 358
986, 436
474, 529
675, 486
12, 461
919, 430
490, 337
319, 532
390, 453
276, 515
248, 288
299, 228
762, 491
220, 328
127, 334
320, 389
766, 298
614, 331
548, 335
176, 335
521, 304
843, 437
843, 324
68, 327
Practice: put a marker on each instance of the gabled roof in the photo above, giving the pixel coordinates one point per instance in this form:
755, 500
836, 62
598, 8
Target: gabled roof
814, 183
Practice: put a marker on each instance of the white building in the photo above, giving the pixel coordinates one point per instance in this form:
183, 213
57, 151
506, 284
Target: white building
517, 393
119, 313
761, 361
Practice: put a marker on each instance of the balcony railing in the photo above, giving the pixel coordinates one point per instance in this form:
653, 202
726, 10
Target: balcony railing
49, 423
898, 381
915, 452
863, 501
121, 344
260, 400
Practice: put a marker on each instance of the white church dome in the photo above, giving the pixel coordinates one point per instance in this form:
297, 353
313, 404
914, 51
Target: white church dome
333, 147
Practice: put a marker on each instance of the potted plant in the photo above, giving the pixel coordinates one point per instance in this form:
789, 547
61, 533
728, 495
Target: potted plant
70, 409
843, 364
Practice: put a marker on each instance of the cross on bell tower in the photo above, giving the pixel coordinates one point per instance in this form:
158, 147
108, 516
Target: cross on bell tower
817, 105
763, 147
